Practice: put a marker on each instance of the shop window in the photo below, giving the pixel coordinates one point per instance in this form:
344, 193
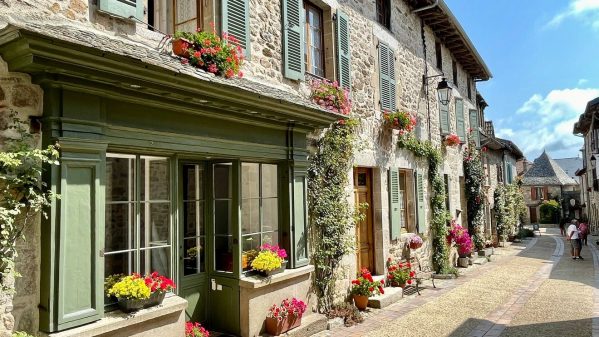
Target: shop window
259, 209
313, 40
383, 13
138, 215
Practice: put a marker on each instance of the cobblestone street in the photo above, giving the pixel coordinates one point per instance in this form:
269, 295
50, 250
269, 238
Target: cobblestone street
532, 289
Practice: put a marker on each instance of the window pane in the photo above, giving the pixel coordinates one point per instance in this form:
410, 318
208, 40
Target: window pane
269, 181
120, 177
120, 222
223, 253
250, 216
222, 181
158, 259
250, 180
155, 182
120, 263
222, 217
194, 255
193, 218
154, 224
193, 176
272, 238
251, 245
270, 214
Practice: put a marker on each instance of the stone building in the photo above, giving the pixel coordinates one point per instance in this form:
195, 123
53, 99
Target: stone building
161, 160
546, 180
588, 127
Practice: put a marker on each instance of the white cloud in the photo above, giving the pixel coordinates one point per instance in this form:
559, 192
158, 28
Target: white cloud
546, 122
587, 10
582, 82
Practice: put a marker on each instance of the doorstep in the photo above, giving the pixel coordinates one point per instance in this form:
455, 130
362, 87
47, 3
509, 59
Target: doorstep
165, 320
480, 261
311, 325
391, 296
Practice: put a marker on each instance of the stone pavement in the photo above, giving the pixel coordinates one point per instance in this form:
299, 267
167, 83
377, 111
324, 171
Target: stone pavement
537, 290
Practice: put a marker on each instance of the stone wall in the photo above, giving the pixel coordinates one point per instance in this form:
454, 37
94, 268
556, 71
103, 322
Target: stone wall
20, 312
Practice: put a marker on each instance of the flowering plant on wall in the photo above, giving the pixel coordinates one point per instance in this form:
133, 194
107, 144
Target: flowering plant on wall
365, 285
295, 307
329, 95
459, 236
452, 140
399, 273
136, 286
195, 329
415, 241
269, 258
400, 120
206, 50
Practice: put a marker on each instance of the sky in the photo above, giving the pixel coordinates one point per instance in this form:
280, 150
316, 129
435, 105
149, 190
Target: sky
544, 57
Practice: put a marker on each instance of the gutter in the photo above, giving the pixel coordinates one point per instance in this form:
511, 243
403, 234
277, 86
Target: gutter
426, 7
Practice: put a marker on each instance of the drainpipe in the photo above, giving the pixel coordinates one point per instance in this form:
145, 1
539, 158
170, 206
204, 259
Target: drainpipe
426, 7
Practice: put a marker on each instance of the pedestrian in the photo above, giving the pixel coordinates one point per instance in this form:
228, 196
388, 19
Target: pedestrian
562, 225
574, 238
584, 232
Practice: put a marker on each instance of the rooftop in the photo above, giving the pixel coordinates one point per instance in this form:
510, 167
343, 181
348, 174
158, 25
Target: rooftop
585, 119
570, 166
545, 171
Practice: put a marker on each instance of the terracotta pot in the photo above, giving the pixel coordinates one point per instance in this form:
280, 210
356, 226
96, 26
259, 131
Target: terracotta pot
244, 261
275, 327
181, 47
414, 245
395, 284
361, 302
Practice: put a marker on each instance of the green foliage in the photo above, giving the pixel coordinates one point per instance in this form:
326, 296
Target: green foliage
23, 194
549, 211
525, 233
501, 212
350, 314
474, 175
331, 216
21, 334
510, 209
426, 150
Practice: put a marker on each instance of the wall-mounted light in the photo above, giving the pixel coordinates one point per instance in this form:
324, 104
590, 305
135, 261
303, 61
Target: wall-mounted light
593, 160
444, 91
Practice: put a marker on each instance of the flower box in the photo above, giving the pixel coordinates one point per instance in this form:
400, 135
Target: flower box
400, 120
131, 305
276, 327
267, 273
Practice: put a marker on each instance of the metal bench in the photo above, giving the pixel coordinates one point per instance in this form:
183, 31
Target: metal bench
421, 274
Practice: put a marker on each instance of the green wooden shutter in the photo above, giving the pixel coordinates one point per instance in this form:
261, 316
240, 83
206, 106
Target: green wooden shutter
236, 21
394, 204
459, 119
444, 118
124, 8
343, 52
387, 77
300, 222
474, 126
421, 201
293, 39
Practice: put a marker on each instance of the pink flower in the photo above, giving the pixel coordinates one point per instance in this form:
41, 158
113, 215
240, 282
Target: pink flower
212, 68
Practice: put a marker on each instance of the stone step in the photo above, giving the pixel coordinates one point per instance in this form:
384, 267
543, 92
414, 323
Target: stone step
391, 295
311, 325
480, 260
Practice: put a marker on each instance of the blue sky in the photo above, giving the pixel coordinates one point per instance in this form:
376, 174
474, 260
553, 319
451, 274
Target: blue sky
544, 56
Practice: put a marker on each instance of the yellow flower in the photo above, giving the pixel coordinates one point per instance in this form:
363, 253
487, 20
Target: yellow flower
266, 261
130, 288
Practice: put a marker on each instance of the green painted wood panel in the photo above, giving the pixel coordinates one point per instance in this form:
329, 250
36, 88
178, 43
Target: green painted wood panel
80, 267
343, 50
224, 305
124, 8
300, 223
459, 119
444, 118
421, 202
293, 39
236, 22
394, 204
474, 126
387, 77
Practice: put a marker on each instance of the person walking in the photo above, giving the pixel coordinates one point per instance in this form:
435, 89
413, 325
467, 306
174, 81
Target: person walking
562, 229
573, 236
583, 228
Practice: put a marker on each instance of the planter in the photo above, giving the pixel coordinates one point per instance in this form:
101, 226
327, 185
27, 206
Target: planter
272, 272
275, 327
414, 245
485, 252
463, 262
361, 302
131, 305
181, 47
395, 284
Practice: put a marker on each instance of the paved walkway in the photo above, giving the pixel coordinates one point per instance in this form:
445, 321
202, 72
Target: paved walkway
537, 290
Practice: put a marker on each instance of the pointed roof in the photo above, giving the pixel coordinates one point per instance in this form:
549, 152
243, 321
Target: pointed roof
570, 166
545, 171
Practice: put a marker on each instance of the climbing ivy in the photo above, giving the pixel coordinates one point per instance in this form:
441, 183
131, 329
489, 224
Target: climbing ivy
516, 206
474, 176
331, 216
426, 150
501, 213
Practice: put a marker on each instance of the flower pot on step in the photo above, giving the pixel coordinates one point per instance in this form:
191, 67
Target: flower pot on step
361, 302
276, 327
463, 262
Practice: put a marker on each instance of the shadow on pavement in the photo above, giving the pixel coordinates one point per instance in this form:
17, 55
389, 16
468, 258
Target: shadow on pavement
566, 328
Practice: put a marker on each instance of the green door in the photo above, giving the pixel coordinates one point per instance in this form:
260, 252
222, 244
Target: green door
209, 240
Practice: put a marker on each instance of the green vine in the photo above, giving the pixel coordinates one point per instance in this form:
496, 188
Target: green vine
474, 175
510, 208
425, 149
331, 216
23, 194
501, 213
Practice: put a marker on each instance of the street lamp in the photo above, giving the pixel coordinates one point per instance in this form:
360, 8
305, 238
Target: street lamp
593, 160
444, 91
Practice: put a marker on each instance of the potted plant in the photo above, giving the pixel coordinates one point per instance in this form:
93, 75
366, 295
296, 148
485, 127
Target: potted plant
330, 96
135, 292
270, 260
195, 329
182, 43
399, 273
415, 241
364, 287
452, 140
400, 120
284, 317
460, 238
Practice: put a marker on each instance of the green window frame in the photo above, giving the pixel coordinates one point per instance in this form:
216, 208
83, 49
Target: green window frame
123, 8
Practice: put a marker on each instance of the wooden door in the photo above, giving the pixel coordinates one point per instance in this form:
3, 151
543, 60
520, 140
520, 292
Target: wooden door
533, 214
364, 228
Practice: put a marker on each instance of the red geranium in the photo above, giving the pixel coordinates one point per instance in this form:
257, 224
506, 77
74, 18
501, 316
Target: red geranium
195, 329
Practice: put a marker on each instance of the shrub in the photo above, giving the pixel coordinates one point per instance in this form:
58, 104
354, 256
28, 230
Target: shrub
350, 314
399, 273
525, 233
